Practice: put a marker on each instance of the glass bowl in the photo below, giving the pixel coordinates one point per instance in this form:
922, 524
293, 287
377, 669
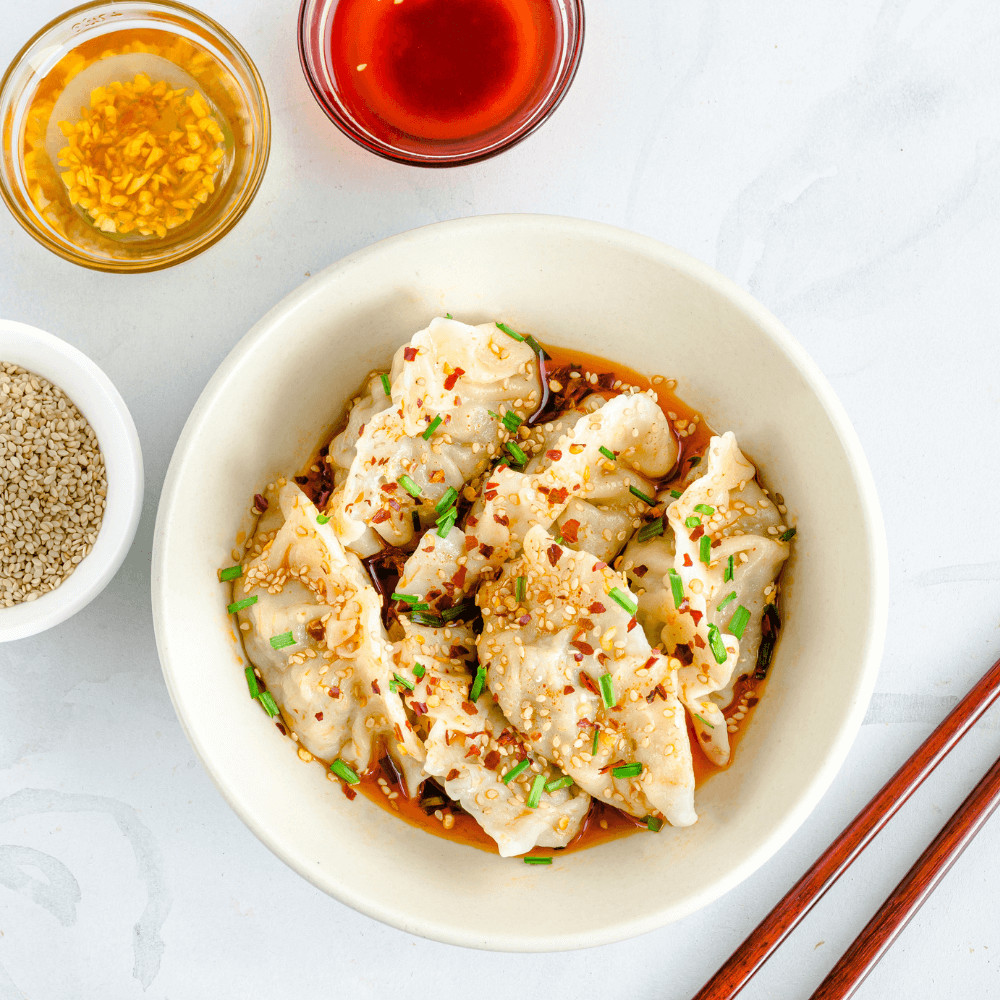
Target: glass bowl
361, 123
91, 46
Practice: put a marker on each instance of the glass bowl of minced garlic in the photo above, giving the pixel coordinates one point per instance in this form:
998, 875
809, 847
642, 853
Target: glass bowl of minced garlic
135, 135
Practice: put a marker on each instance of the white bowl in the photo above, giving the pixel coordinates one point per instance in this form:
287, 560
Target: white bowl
99, 401
608, 292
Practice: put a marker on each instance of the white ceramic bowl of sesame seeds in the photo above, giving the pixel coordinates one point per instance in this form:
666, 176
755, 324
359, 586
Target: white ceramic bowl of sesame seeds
607, 292
104, 409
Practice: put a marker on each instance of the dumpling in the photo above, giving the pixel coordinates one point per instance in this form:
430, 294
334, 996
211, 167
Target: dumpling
315, 634
564, 659
451, 387
470, 746
343, 447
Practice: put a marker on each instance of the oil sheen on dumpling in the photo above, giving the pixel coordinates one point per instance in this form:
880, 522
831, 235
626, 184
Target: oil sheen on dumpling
332, 683
564, 659
467, 376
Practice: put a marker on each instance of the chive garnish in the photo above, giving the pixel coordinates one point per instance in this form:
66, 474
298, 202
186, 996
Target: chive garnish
653, 824
537, 348
564, 782
406, 682
676, 494
230, 573
651, 530
676, 586
406, 598
280, 641
624, 600
692, 522
432, 621
539, 860
705, 549
419, 670
385, 385
322, 518
459, 611
694, 461
348, 774
739, 621
596, 743
786, 535
728, 575
703, 508
627, 770
512, 421
432, 427
718, 646
240, 605
517, 769
607, 690
270, 705
510, 333
477, 684
410, 486
731, 597
703, 721
393, 686
446, 522
519, 587
450, 496
642, 496
252, 682
535, 795
608, 454
516, 453
495, 416
448, 316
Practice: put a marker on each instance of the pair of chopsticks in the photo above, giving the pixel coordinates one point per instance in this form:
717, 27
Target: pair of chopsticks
921, 880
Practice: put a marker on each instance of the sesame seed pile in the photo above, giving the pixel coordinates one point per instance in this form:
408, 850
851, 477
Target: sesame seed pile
53, 486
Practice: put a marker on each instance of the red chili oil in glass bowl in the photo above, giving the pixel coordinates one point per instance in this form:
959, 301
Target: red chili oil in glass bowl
439, 82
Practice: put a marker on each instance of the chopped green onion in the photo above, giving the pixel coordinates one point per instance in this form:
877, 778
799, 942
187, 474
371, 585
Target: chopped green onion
240, 605
703, 508
406, 682
393, 686
739, 621
608, 454
694, 461
512, 421
718, 646
410, 486
519, 587
459, 611
676, 494
728, 575
450, 496
642, 496
322, 518
564, 782
510, 333
607, 690
348, 774
432, 427
517, 769
270, 705
597, 742
535, 795
252, 682
676, 586
653, 824
692, 522
786, 535
385, 384
446, 522
518, 455
627, 770
559, 539
433, 621
495, 416
280, 641
477, 685
406, 598
448, 316
537, 348
731, 597
624, 600
230, 573
651, 530
419, 670
705, 549
703, 721
538, 860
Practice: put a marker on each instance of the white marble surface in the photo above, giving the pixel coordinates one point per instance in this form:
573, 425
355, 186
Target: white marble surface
840, 161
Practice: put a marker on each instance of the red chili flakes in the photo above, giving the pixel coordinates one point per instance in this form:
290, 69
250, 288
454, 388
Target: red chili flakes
419, 708
452, 774
473, 751
602, 658
684, 654
316, 630
486, 550
469, 708
661, 691
585, 623
524, 620
584, 647
697, 533
696, 615
640, 571
584, 724
598, 566
449, 382
472, 521
389, 487
699, 642
470, 542
597, 608
490, 495
631, 624
606, 380
752, 701
687, 560
281, 729
587, 682
380, 516
553, 455
553, 552
375, 687
570, 530
544, 490
319, 716
458, 580
398, 732
608, 767
649, 662
558, 496
706, 737
334, 692
501, 519
348, 791
259, 502
394, 504
492, 759
437, 476
409, 353
569, 689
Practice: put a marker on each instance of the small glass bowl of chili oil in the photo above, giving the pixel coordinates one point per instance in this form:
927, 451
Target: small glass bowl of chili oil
439, 82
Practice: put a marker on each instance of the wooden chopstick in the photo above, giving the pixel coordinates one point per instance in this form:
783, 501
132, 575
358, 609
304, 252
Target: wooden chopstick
737, 971
911, 893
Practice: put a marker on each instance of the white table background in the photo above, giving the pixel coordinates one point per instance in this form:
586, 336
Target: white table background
839, 160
